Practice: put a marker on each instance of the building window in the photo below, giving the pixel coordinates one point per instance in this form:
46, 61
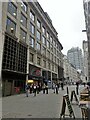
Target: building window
24, 6
48, 54
57, 53
51, 39
32, 42
47, 35
52, 67
58, 61
49, 65
48, 44
32, 28
38, 46
55, 59
43, 30
54, 42
38, 35
56, 45
31, 57
52, 57
43, 40
54, 50
10, 26
44, 63
38, 23
23, 20
55, 68
23, 35
12, 9
38, 60
51, 46
44, 50
32, 16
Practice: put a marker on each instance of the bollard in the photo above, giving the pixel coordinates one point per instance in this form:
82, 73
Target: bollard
67, 91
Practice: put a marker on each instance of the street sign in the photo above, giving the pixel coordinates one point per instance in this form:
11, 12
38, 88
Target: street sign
66, 101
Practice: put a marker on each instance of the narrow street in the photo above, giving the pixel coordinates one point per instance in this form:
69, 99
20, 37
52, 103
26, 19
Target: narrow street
41, 106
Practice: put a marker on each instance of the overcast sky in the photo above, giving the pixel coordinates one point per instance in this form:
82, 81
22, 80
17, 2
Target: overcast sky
68, 19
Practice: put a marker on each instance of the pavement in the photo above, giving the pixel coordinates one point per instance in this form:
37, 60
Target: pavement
41, 106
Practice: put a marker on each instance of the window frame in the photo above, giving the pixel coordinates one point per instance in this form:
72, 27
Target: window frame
24, 22
10, 9
32, 16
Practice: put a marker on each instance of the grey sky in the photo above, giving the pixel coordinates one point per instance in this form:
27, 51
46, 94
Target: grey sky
68, 19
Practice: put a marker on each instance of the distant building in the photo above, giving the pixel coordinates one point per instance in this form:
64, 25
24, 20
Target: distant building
85, 51
70, 72
74, 56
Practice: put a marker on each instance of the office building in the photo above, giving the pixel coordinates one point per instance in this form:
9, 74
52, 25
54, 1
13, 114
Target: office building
31, 48
74, 56
85, 51
86, 4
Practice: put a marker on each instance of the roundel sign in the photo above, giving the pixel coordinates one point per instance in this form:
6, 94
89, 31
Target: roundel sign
38, 72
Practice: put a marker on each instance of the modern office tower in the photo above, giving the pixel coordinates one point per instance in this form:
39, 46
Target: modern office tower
86, 4
85, 51
31, 48
75, 58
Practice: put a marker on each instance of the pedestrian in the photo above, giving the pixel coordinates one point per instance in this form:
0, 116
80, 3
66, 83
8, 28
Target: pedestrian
34, 89
38, 89
62, 85
58, 85
31, 88
27, 90
54, 87
77, 87
44, 88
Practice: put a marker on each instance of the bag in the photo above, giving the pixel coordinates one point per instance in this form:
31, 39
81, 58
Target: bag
34, 87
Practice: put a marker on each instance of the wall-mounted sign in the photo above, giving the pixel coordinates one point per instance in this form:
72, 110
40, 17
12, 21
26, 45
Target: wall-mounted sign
35, 71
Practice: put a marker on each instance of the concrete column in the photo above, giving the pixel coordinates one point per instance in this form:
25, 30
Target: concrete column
18, 22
